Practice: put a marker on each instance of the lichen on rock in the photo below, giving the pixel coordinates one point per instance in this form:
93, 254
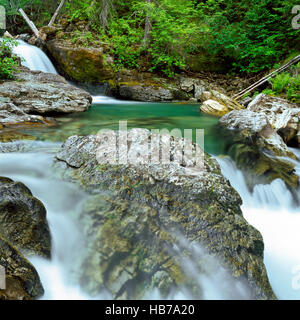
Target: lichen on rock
23, 219
137, 214
256, 147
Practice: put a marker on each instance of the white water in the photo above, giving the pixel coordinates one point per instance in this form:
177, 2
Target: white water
273, 211
63, 200
33, 58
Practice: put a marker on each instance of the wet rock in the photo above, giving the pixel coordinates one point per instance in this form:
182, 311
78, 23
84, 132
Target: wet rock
282, 115
24, 36
187, 84
36, 95
214, 108
149, 94
22, 280
138, 214
257, 148
23, 219
246, 101
8, 135
23, 146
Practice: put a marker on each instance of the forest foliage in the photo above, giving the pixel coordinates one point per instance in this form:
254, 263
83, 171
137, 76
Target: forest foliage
250, 35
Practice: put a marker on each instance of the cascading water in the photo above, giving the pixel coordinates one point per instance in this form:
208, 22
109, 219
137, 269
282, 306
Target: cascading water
33, 57
273, 210
63, 201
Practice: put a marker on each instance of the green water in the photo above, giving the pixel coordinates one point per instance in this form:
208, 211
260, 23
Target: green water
138, 115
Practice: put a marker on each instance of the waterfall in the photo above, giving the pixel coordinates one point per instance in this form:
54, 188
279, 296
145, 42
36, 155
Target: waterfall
63, 202
33, 57
273, 210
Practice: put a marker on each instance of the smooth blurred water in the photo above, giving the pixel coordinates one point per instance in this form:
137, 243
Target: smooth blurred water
274, 211
63, 201
33, 58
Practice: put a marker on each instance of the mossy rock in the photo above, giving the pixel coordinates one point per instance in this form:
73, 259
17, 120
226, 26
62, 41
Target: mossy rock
80, 64
137, 215
23, 219
22, 280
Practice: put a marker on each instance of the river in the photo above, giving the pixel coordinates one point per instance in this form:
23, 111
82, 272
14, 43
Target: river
270, 208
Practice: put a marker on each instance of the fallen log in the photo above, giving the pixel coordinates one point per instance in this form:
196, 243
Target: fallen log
30, 24
266, 78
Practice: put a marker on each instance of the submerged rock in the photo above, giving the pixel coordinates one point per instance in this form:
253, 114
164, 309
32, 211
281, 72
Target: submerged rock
23, 219
22, 281
36, 95
257, 148
139, 213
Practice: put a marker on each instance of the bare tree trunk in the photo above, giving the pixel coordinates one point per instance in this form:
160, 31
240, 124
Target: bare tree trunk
56, 12
104, 13
30, 24
148, 27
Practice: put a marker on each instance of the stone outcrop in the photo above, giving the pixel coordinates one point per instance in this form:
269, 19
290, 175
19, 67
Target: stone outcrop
23, 219
80, 63
138, 213
37, 95
22, 280
282, 115
257, 148
147, 93
23, 231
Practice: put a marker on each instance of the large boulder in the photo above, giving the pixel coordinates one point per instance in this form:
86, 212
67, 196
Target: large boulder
142, 86
282, 115
21, 279
80, 63
139, 215
218, 104
23, 219
37, 95
257, 148
145, 93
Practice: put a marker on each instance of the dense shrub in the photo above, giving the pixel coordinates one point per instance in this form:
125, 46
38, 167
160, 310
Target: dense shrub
8, 63
286, 84
249, 35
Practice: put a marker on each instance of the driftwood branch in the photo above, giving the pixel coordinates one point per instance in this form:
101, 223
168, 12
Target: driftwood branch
56, 13
266, 78
30, 24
